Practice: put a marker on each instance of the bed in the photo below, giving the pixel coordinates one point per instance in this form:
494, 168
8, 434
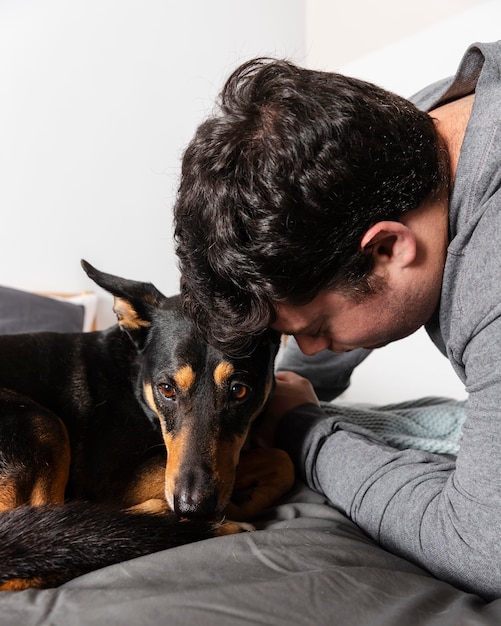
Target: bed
305, 564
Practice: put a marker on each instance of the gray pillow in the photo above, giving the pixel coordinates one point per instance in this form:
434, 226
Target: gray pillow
24, 312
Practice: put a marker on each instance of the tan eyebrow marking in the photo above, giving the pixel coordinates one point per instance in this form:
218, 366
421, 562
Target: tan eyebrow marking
222, 372
185, 377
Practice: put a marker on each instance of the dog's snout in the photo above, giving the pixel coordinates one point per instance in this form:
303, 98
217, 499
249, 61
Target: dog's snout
191, 505
195, 496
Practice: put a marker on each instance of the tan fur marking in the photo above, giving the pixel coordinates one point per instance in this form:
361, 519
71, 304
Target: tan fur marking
148, 395
127, 315
185, 377
175, 451
154, 506
222, 372
19, 584
232, 528
148, 485
48, 479
50, 486
9, 496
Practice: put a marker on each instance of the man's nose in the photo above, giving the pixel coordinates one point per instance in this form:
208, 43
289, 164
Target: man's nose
312, 345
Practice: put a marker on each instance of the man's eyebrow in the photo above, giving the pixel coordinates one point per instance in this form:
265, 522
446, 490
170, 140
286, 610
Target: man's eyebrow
279, 328
303, 330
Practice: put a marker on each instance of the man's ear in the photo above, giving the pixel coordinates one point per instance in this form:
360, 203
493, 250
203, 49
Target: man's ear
390, 242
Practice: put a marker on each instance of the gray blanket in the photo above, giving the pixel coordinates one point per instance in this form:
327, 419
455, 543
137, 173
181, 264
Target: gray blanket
433, 424
306, 565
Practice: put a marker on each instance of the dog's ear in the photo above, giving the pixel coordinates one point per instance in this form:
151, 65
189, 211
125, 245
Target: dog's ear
134, 302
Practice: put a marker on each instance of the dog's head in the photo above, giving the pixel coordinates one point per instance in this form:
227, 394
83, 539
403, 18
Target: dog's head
204, 399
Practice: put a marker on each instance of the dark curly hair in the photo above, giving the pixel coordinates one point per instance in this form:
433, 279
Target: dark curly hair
280, 184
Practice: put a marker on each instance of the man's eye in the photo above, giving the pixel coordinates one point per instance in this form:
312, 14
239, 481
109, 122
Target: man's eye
239, 391
167, 391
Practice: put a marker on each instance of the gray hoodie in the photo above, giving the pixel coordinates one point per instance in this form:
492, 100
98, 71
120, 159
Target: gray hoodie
443, 515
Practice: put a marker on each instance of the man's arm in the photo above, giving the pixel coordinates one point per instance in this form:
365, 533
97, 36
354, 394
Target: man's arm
413, 503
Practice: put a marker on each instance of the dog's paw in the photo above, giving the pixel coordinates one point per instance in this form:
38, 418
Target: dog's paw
232, 528
153, 506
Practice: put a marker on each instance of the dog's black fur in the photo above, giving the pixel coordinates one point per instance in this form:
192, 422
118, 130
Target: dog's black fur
102, 432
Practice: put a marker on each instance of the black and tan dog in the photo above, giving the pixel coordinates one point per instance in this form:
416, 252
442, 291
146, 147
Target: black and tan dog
101, 433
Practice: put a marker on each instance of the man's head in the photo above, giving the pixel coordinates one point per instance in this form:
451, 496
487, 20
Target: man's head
279, 187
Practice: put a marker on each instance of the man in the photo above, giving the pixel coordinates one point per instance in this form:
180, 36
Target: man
334, 211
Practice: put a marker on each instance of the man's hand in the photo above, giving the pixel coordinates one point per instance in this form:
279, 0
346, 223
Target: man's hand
291, 390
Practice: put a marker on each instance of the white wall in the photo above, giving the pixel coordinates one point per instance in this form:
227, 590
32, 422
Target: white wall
99, 97
97, 100
339, 32
402, 53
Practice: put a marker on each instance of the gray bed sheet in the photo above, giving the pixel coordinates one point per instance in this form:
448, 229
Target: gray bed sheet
306, 564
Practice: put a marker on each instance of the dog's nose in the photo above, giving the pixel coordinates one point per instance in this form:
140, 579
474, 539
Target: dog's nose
195, 494
192, 504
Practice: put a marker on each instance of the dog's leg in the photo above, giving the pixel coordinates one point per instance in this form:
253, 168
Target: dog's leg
263, 476
146, 493
34, 453
153, 506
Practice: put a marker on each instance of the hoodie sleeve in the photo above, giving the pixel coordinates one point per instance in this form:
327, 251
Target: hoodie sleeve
410, 501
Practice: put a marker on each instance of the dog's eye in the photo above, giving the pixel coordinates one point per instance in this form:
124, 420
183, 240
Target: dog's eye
239, 391
167, 391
